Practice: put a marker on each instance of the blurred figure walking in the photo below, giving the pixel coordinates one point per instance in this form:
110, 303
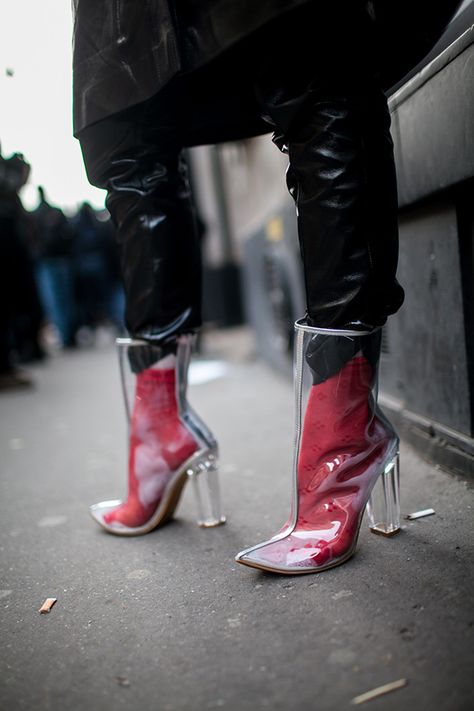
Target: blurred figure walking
20, 311
51, 246
98, 289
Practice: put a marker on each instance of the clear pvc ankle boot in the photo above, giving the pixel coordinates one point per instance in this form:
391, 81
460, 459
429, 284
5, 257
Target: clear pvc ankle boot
344, 446
168, 443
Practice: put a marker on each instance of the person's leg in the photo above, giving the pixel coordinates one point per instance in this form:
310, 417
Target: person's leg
341, 176
330, 115
137, 158
335, 129
64, 299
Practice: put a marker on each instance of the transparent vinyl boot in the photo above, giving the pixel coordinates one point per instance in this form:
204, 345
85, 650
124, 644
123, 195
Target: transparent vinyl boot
168, 443
344, 447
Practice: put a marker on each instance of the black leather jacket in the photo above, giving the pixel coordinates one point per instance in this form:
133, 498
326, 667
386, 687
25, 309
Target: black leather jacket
126, 51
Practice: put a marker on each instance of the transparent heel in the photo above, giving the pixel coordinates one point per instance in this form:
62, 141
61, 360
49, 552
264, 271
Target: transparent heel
205, 478
383, 507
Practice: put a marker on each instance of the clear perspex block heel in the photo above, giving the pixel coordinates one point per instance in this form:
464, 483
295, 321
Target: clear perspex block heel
383, 507
204, 475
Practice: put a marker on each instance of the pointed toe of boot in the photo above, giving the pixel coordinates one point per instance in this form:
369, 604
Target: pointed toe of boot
99, 512
272, 556
290, 556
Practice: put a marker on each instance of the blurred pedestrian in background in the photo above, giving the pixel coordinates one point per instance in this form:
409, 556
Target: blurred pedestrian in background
115, 297
152, 80
51, 246
96, 272
20, 311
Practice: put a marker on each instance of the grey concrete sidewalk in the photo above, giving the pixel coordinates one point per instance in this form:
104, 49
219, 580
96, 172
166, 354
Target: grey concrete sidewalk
168, 622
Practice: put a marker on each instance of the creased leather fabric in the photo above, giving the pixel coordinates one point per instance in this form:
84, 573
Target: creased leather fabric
330, 116
125, 52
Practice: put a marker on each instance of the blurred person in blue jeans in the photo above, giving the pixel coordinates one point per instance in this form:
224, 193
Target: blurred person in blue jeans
51, 248
152, 80
98, 290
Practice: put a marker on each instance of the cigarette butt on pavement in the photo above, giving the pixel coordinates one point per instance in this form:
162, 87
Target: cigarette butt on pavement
420, 514
122, 680
379, 691
47, 605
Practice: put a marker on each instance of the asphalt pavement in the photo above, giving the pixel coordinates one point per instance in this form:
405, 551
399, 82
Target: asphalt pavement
168, 621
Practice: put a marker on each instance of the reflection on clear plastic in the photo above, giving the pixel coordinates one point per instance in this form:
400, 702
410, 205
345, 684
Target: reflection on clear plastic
206, 487
168, 443
344, 445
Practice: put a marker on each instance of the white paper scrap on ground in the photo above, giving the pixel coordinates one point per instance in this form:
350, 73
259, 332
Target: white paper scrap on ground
420, 514
49, 521
379, 691
205, 371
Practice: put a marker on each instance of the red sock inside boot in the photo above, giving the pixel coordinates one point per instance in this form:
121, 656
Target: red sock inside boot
159, 445
337, 421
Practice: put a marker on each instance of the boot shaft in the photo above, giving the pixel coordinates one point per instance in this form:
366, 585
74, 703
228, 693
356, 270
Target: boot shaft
163, 388
339, 425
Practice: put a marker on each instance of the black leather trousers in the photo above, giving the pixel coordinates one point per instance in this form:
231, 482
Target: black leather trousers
137, 158
342, 178
323, 100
